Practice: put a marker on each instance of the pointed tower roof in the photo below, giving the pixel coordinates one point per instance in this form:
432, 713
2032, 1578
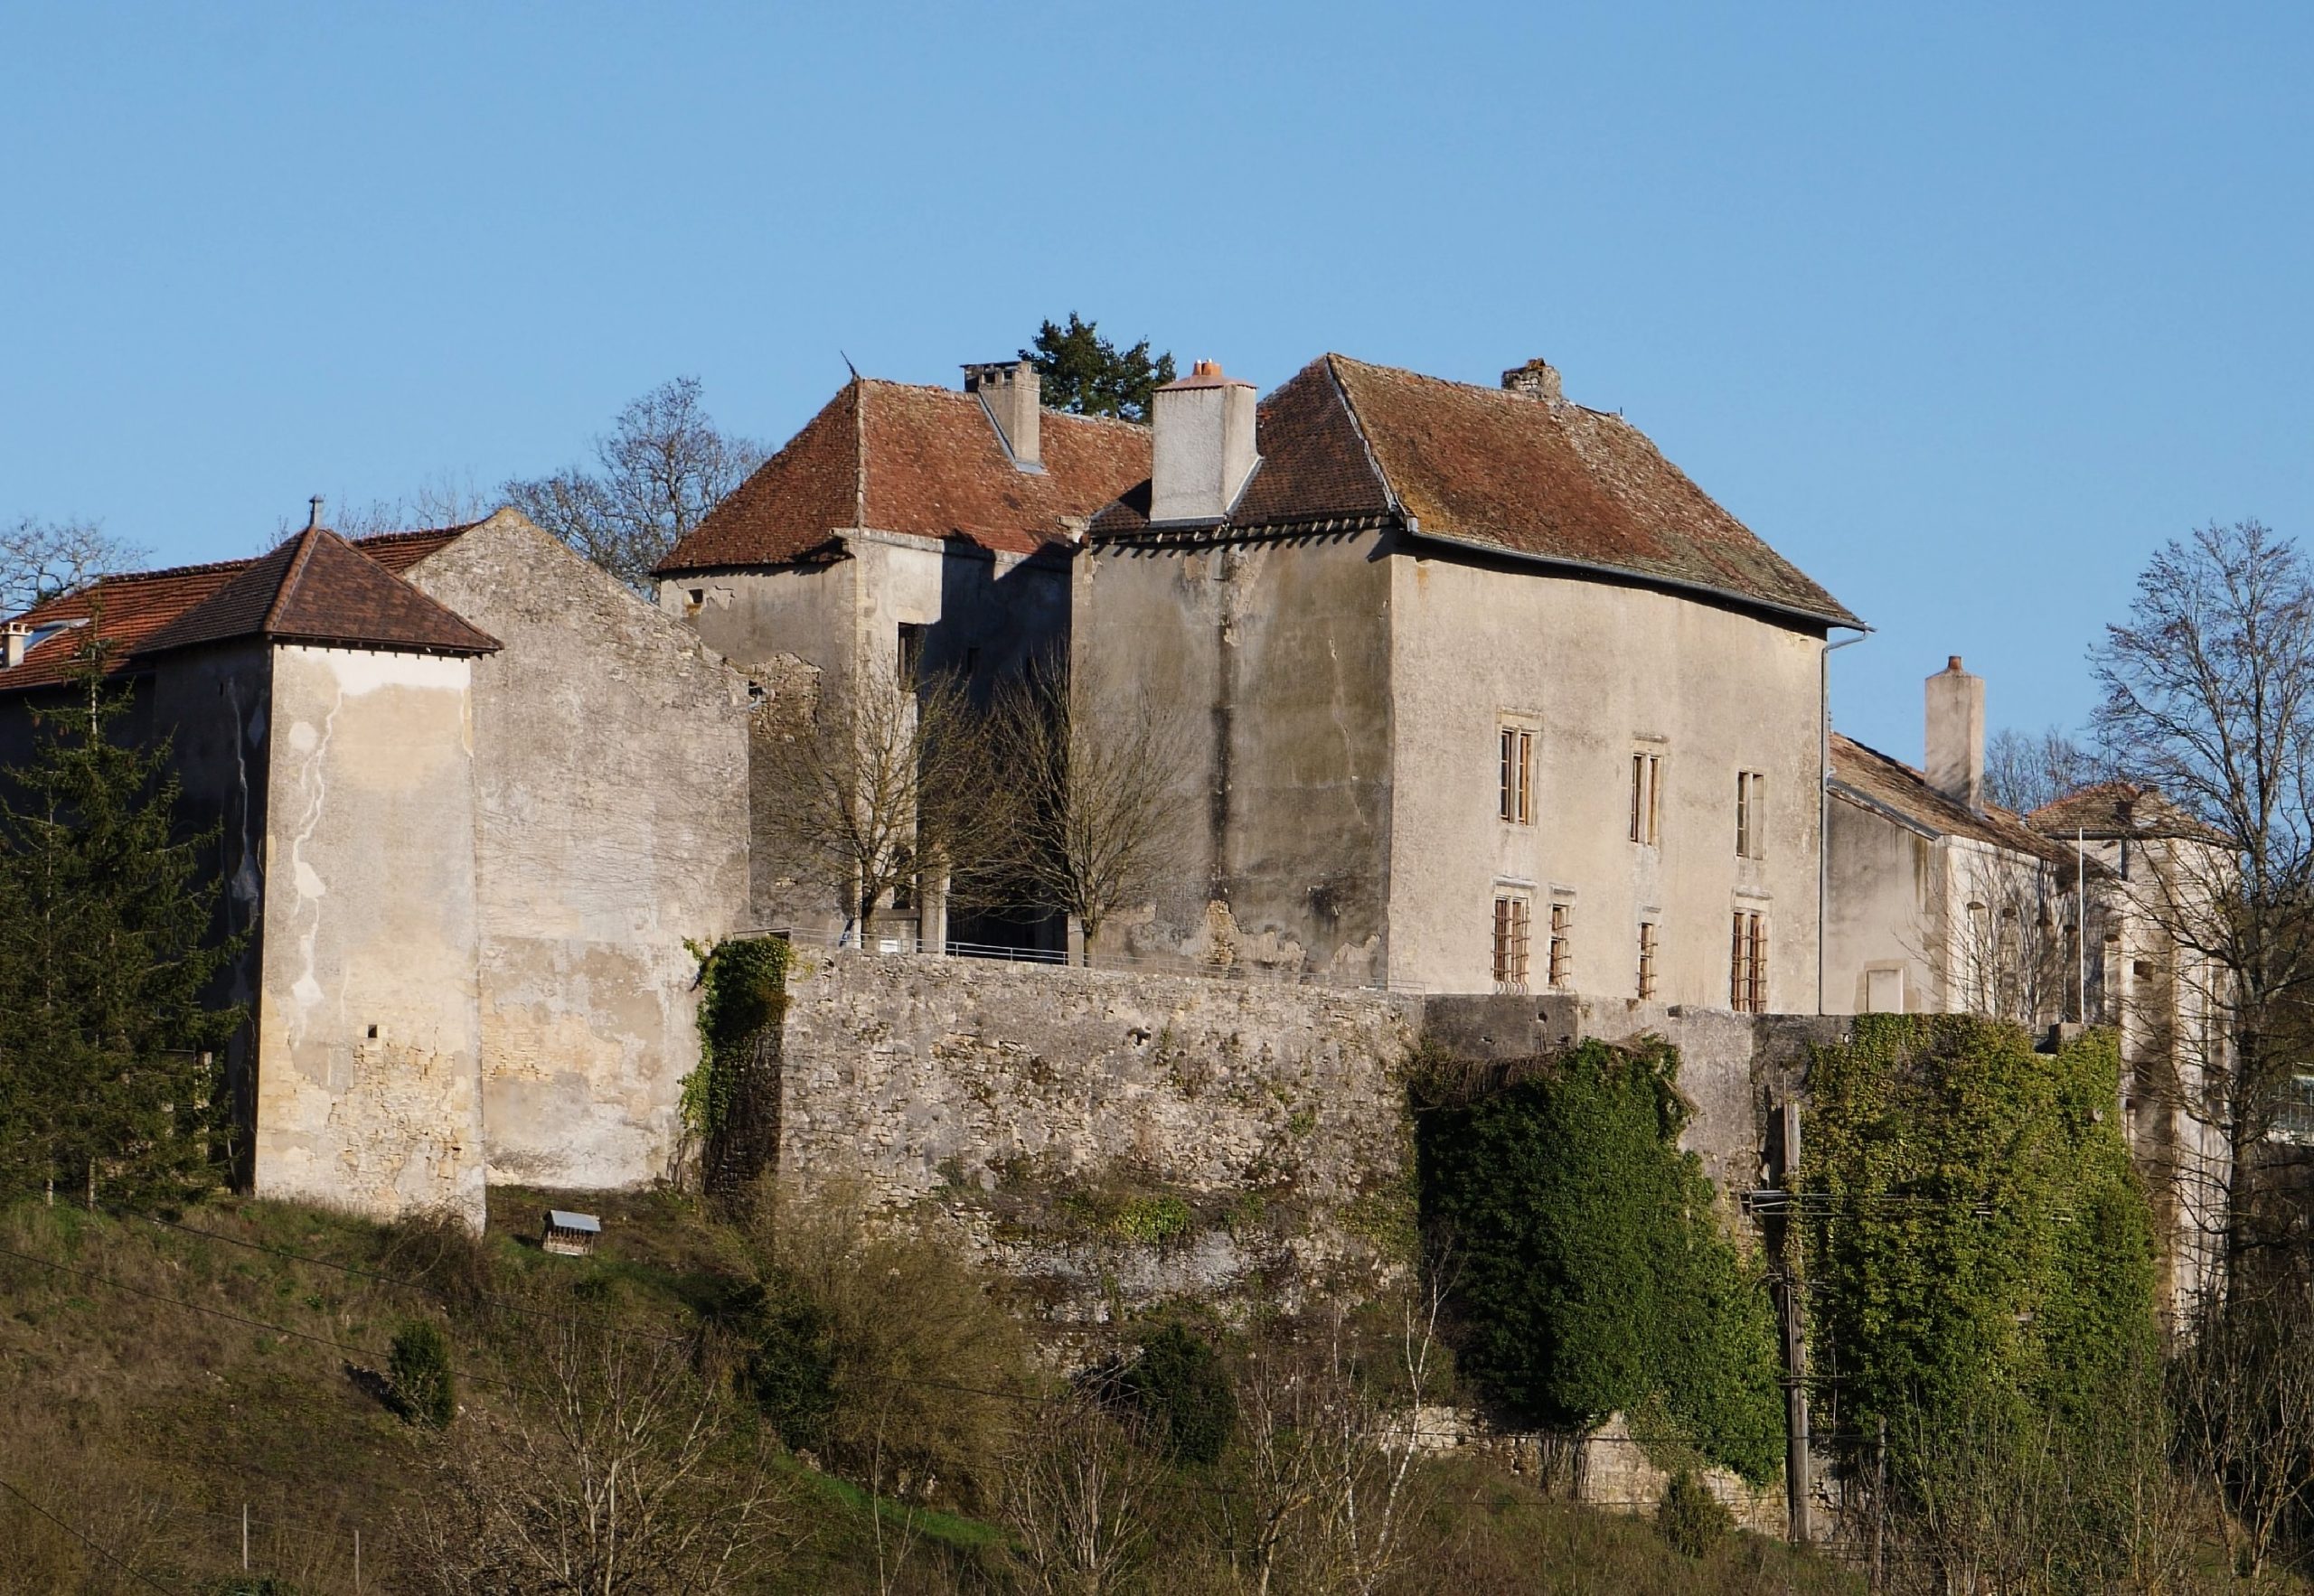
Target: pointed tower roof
318, 588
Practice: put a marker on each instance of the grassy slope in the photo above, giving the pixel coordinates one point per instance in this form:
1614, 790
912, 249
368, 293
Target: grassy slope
147, 1423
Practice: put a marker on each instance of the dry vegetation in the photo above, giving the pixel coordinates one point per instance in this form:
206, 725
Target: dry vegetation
155, 1381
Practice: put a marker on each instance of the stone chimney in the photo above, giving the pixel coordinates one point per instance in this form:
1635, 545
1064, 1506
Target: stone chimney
1013, 394
1536, 380
1201, 444
1956, 734
16, 637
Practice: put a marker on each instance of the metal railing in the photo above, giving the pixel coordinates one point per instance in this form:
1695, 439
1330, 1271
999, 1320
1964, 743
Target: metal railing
903, 940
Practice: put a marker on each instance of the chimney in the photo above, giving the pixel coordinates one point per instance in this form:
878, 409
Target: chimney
16, 637
1536, 380
1013, 394
1201, 444
1956, 734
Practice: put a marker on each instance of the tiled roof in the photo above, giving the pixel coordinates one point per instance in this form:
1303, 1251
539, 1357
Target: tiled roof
2118, 809
1869, 775
1532, 477
315, 587
928, 462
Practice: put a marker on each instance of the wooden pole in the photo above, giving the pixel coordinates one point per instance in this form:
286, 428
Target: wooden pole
1796, 1460
245, 1537
1880, 1508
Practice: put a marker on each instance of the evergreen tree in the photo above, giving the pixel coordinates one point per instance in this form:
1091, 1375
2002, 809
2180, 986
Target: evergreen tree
105, 1012
1085, 374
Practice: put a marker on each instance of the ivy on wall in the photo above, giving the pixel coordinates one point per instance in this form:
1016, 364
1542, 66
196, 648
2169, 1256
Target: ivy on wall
1590, 1273
726, 1102
1979, 1233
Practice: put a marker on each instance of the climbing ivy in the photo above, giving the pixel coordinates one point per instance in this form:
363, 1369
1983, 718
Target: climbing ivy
1980, 1240
1590, 1272
743, 992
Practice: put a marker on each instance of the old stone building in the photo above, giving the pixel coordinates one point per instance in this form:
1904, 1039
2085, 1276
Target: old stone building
1497, 698
472, 797
905, 529
1481, 693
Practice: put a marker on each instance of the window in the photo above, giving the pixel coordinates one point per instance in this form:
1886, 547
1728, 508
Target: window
1646, 960
1517, 763
1510, 915
1748, 964
1751, 814
1562, 950
911, 652
1646, 782
2294, 1111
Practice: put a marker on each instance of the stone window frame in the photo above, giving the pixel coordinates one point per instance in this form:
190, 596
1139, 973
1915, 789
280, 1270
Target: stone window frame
1560, 950
1747, 960
1751, 814
1650, 952
1515, 771
1647, 795
1514, 910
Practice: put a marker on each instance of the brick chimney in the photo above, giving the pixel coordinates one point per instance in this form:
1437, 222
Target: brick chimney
1013, 394
1536, 380
16, 637
1201, 444
1956, 734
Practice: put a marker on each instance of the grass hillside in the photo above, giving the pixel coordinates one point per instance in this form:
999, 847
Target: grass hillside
159, 1380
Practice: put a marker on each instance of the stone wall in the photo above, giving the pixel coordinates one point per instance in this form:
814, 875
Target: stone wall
1112, 1139
1165, 1134
610, 776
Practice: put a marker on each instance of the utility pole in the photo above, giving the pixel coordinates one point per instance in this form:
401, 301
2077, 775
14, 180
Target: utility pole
1796, 1460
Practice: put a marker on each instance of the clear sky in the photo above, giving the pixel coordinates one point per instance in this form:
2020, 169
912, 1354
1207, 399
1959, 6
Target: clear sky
1962, 307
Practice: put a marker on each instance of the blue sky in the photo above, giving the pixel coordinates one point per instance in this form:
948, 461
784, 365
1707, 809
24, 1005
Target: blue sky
1963, 308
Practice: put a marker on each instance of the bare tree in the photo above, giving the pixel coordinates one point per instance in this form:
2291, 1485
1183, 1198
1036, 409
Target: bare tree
40, 559
878, 792
2209, 698
2244, 1392
1078, 1499
2013, 938
1094, 772
2024, 770
656, 475
618, 1472
442, 501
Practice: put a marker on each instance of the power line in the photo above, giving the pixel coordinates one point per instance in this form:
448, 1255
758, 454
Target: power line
130, 1570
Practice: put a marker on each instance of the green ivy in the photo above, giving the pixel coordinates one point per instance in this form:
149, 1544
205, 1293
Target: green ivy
1981, 1241
1591, 1273
743, 992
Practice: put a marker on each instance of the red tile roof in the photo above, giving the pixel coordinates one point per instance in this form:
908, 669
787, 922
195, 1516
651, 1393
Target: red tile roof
1860, 773
1343, 440
927, 462
2117, 808
315, 587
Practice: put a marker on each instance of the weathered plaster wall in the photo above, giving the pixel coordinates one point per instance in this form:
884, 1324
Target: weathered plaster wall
1278, 654
1884, 893
369, 1030
1601, 671
611, 825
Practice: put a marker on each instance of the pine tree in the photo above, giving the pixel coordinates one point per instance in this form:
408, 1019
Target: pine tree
1085, 373
106, 1012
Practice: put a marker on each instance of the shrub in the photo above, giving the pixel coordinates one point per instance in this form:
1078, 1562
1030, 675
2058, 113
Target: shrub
1593, 1277
1180, 1386
1691, 1518
418, 1368
791, 1364
439, 1250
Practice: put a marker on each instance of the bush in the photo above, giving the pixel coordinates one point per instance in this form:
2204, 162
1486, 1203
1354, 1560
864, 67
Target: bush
791, 1365
1691, 1518
418, 1368
1593, 1276
437, 1249
1180, 1386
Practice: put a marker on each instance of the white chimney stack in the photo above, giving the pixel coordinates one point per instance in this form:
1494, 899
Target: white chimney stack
1201, 448
1956, 734
1012, 393
16, 637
